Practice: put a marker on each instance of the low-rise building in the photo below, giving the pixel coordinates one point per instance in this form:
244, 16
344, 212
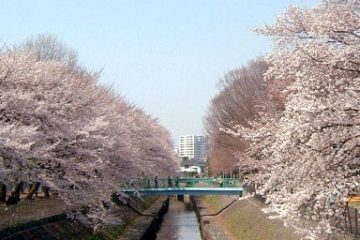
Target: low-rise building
193, 166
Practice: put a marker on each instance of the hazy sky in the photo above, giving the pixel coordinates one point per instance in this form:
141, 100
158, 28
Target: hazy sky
164, 56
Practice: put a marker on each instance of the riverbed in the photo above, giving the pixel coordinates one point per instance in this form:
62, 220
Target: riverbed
180, 222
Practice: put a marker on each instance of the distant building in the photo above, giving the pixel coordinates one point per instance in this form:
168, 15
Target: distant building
194, 147
192, 166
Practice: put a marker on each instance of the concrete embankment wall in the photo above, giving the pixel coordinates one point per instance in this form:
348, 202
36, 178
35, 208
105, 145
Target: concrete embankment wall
145, 227
135, 226
209, 228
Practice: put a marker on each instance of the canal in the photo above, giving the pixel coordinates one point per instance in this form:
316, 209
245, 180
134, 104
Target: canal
180, 222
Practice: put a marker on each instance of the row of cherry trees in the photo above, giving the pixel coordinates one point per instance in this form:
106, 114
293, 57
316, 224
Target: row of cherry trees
234, 105
60, 128
302, 141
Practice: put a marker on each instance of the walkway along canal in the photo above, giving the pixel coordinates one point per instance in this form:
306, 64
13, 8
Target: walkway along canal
180, 222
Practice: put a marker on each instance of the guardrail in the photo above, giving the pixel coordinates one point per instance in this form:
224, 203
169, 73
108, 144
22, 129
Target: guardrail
180, 182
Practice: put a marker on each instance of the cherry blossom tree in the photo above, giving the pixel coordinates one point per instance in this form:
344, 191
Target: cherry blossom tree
243, 95
61, 128
49, 47
308, 155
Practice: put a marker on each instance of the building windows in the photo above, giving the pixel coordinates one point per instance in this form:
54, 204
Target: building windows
193, 146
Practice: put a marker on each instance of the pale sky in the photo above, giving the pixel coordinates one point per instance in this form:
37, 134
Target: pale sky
166, 56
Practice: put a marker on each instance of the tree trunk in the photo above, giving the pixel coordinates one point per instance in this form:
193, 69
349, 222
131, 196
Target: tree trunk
46, 192
18, 189
32, 190
3, 193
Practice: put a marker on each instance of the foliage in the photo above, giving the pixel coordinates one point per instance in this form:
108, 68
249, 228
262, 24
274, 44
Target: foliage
48, 47
242, 91
306, 156
311, 154
62, 129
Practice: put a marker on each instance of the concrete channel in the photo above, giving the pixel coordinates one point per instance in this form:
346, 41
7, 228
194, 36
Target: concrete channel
181, 218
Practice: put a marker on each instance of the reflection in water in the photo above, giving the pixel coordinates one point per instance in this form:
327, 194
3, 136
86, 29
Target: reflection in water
180, 222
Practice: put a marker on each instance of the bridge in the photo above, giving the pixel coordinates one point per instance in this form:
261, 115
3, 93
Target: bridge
184, 186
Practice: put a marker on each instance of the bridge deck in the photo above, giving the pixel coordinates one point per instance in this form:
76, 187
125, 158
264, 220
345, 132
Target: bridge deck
186, 191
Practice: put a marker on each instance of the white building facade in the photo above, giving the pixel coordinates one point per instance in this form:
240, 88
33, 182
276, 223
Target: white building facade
195, 147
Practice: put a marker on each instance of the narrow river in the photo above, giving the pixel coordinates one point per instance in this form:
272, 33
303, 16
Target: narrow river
180, 222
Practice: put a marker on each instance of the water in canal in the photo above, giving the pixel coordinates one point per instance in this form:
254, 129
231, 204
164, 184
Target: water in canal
180, 222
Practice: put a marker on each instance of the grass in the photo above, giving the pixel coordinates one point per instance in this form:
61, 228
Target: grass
244, 220
29, 210
109, 233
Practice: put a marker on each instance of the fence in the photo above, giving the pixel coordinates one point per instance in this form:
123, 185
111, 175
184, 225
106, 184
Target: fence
352, 219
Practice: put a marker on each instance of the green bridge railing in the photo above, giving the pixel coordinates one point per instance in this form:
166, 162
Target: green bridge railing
180, 182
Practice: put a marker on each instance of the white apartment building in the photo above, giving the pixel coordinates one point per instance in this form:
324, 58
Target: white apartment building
194, 147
